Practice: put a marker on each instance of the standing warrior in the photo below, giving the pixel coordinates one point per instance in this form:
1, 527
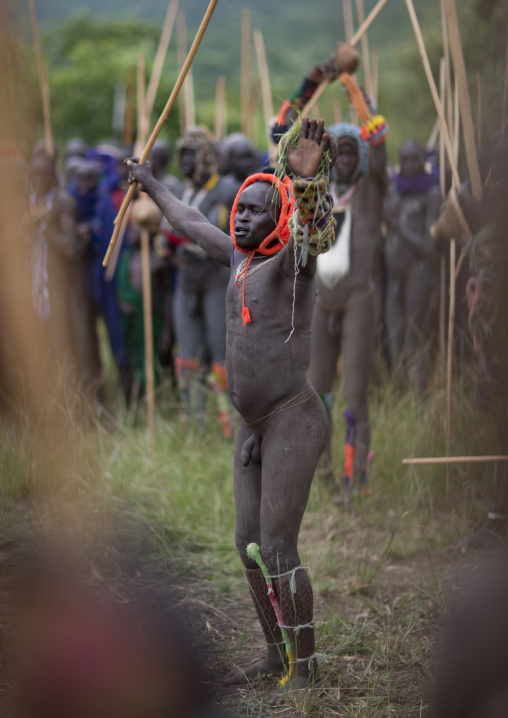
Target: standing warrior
344, 319
411, 208
284, 429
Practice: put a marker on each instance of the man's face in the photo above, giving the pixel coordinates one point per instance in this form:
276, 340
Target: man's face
242, 161
347, 159
187, 162
86, 181
411, 161
42, 175
256, 215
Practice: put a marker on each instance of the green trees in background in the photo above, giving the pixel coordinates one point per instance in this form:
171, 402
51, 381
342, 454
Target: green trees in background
90, 57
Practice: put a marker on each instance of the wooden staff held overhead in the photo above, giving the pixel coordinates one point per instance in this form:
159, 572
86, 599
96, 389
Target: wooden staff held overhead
459, 66
158, 127
354, 41
245, 71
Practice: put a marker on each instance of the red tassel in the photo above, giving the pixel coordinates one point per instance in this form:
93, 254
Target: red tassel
245, 315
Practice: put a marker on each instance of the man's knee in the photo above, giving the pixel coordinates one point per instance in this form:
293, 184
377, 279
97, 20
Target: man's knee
278, 556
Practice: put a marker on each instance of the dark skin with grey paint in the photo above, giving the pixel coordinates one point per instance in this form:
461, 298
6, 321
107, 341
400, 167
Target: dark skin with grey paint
264, 371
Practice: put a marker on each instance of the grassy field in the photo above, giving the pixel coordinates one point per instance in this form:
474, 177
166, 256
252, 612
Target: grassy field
382, 572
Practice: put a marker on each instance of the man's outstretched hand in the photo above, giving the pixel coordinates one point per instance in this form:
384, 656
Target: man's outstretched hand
304, 159
138, 173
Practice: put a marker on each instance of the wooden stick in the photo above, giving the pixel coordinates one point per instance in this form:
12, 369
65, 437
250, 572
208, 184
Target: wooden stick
478, 107
448, 81
220, 109
337, 109
160, 56
505, 98
111, 268
48, 134
449, 363
368, 22
464, 100
160, 123
245, 71
456, 123
266, 92
142, 123
186, 103
454, 460
354, 41
43, 84
128, 123
433, 90
142, 126
431, 142
255, 95
347, 10
375, 74
147, 317
442, 184
367, 72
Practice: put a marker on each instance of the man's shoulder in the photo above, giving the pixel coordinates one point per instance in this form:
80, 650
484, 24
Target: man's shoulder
227, 187
64, 201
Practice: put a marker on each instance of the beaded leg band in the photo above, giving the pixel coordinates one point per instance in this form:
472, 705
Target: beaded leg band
297, 606
263, 606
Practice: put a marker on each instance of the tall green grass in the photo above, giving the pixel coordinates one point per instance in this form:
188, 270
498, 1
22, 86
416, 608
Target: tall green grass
377, 632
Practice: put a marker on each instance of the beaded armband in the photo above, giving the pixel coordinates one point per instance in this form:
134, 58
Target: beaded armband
374, 131
302, 95
314, 233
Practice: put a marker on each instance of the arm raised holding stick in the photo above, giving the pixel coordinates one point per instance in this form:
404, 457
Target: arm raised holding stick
162, 119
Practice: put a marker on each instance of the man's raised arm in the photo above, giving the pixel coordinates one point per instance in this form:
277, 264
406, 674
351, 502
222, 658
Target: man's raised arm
188, 221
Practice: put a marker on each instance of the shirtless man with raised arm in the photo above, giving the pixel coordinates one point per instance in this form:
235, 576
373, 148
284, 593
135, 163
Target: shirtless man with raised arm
285, 426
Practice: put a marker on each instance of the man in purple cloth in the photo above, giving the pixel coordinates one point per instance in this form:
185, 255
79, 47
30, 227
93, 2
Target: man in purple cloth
411, 208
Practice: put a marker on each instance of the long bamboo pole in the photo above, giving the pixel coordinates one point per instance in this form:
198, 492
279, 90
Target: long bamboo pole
187, 108
431, 142
160, 123
453, 460
367, 71
347, 10
459, 66
354, 41
245, 71
128, 122
433, 90
337, 109
255, 96
48, 133
181, 49
266, 91
148, 327
448, 106
449, 363
43, 84
142, 117
160, 56
375, 74
479, 110
442, 184
456, 123
505, 98
145, 269
220, 109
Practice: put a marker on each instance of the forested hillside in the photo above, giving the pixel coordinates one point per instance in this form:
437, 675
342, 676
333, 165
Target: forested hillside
91, 45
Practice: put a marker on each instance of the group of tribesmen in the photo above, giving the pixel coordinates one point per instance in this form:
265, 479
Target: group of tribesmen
325, 212
379, 287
